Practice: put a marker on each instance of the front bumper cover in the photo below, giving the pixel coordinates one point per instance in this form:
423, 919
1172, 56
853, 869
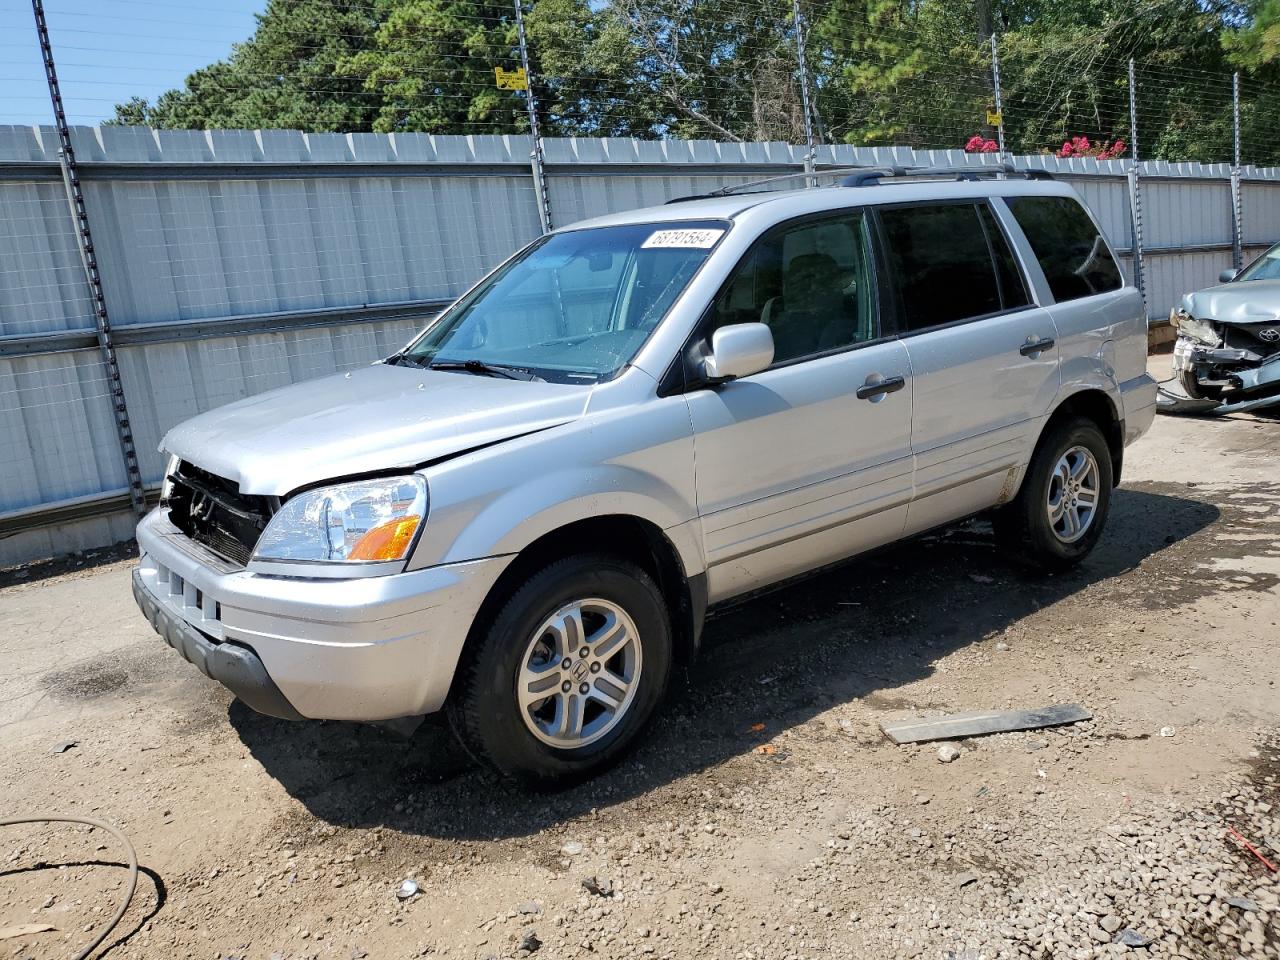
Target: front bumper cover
364, 649
236, 667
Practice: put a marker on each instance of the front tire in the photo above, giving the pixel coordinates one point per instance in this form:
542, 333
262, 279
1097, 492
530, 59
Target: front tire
561, 682
1059, 514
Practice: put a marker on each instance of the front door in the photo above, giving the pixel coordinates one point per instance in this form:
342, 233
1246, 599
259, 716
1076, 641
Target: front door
809, 461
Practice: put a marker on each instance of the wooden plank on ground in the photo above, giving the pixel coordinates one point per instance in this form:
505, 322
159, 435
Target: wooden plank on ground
959, 725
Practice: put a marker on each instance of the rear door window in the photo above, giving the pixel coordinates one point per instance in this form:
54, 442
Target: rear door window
943, 262
1071, 251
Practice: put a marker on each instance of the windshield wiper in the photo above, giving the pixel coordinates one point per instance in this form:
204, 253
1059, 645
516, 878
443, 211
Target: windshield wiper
485, 369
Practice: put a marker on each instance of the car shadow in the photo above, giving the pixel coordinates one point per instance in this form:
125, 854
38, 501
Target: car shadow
859, 630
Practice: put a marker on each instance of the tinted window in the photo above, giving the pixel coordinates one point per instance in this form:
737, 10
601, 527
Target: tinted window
811, 283
940, 261
1072, 253
1013, 292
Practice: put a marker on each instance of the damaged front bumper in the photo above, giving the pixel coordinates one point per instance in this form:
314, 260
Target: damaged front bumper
1243, 379
366, 649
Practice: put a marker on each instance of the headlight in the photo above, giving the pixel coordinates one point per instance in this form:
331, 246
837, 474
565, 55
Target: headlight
368, 521
1199, 330
166, 485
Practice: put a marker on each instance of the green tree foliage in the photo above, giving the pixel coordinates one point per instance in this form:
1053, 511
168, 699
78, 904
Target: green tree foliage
285, 76
881, 72
1257, 42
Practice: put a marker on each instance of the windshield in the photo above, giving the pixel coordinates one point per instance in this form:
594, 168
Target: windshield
572, 308
1266, 267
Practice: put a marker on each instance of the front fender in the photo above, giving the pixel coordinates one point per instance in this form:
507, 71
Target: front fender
521, 515
635, 462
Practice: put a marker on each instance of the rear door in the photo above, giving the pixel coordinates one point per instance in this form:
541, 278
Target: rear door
984, 357
809, 461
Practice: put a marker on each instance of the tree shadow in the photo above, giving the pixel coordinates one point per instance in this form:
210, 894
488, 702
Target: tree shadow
859, 630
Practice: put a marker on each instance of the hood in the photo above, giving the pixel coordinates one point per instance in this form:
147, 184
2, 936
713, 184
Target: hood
1245, 301
372, 419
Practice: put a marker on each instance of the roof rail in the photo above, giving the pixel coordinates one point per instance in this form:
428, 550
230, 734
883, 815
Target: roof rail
866, 176
738, 187
869, 176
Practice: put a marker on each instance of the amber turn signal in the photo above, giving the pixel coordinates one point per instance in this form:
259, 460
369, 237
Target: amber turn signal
388, 541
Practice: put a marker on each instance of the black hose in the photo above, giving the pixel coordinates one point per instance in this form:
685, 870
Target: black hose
124, 842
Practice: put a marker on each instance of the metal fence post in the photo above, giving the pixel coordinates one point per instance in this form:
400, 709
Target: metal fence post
535, 155
1135, 193
1237, 211
995, 83
89, 260
810, 152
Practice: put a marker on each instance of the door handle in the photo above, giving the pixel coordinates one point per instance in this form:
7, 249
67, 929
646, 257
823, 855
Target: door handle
874, 389
1036, 346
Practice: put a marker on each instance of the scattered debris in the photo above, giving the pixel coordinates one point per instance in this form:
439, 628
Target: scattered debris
572, 849
64, 746
1242, 903
768, 749
1129, 937
965, 879
977, 724
407, 889
1167, 731
757, 727
1252, 849
529, 943
25, 930
599, 886
981, 578
948, 752
1002, 647
529, 908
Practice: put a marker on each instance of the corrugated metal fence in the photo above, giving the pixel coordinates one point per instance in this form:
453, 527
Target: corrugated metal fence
238, 261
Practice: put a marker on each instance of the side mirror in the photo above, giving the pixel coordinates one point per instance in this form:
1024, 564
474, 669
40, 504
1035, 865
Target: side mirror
1226, 276
738, 350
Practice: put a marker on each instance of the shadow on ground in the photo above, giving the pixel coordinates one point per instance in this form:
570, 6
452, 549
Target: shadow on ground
860, 630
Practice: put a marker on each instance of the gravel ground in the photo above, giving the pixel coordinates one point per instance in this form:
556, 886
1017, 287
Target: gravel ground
764, 817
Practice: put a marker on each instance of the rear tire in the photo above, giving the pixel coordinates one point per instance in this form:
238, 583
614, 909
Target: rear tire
567, 674
1059, 514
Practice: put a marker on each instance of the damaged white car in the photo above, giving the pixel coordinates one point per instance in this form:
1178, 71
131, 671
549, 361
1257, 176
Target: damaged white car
1227, 357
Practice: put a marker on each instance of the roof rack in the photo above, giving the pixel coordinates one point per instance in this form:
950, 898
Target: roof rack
869, 176
866, 176
738, 187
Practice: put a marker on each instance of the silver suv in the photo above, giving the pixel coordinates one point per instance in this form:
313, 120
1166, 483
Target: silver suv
523, 516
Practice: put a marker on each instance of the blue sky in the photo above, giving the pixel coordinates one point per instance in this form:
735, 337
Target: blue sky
110, 50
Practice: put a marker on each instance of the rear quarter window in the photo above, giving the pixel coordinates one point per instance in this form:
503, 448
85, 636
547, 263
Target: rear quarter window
1072, 253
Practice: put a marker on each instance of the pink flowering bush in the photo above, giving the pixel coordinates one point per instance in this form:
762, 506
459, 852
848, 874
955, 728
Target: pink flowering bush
978, 144
1083, 147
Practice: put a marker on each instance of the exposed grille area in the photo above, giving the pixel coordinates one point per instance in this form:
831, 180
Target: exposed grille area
213, 512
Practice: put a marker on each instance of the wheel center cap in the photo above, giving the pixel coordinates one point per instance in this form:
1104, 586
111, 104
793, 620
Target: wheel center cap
579, 671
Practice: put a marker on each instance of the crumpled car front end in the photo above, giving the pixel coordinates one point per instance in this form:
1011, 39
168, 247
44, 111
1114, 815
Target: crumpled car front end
1227, 355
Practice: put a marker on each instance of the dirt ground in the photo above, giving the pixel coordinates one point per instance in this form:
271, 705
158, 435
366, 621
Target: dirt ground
764, 817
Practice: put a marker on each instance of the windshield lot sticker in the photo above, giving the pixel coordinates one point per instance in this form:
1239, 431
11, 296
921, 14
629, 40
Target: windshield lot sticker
684, 239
